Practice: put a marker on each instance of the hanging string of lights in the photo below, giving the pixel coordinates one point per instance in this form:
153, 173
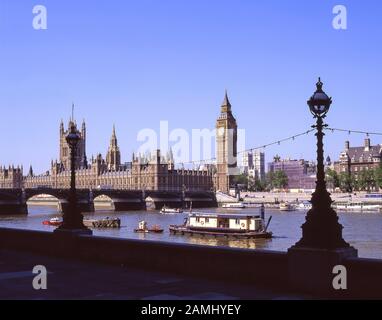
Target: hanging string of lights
280, 141
367, 133
262, 147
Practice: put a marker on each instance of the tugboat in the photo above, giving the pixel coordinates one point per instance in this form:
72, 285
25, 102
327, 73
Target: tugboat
236, 226
56, 222
166, 210
142, 228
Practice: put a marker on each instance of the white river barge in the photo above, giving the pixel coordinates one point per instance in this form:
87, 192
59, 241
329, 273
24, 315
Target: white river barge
226, 225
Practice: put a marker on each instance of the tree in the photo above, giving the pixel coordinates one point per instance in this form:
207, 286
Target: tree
240, 179
254, 184
269, 180
378, 177
259, 185
277, 179
345, 182
332, 179
354, 183
365, 180
251, 184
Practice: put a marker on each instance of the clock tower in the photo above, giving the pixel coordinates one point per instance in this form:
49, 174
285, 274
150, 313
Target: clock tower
226, 146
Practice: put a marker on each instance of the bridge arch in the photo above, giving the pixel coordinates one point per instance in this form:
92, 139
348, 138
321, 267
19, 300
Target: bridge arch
155, 200
44, 199
123, 200
84, 199
103, 202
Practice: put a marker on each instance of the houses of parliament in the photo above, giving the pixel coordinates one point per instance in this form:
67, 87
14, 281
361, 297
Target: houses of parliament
155, 172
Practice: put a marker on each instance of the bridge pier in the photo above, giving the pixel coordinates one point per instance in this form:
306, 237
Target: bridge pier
157, 199
12, 202
83, 206
200, 199
9, 208
128, 205
158, 204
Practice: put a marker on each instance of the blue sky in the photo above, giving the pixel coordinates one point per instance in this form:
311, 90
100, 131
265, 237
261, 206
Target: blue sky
134, 63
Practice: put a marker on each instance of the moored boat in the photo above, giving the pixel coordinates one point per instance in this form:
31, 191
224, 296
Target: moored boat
166, 210
285, 206
304, 205
142, 228
103, 223
53, 222
356, 206
234, 205
236, 226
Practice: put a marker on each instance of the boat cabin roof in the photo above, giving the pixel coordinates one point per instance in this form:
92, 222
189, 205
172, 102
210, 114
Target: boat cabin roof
223, 216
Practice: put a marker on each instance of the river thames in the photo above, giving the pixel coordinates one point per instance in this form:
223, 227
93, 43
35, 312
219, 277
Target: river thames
361, 230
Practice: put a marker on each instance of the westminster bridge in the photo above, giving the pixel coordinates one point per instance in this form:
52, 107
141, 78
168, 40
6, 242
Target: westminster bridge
14, 201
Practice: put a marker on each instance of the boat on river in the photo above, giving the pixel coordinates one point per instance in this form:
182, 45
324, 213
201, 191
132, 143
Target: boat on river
103, 223
227, 225
304, 205
286, 206
357, 206
56, 222
167, 210
143, 228
234, 205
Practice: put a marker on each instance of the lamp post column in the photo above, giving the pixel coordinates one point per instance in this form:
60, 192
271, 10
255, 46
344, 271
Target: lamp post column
72, 217
312, 259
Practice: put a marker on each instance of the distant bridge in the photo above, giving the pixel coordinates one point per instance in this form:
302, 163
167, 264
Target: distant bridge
14, 201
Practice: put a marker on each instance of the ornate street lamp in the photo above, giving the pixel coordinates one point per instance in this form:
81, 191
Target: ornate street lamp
321, 229
72, 218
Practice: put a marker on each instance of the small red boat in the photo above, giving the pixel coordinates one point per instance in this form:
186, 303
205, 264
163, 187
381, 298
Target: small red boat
52, 222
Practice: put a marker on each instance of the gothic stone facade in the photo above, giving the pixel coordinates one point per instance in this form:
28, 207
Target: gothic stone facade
154, 172
81, 161
11, 177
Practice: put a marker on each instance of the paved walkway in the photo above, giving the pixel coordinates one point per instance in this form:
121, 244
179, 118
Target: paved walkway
81, 280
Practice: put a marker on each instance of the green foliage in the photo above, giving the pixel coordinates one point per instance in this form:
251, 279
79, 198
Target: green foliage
255, 185
240, 179
366, 180
332, 179
345, 182
277, 179
378, 177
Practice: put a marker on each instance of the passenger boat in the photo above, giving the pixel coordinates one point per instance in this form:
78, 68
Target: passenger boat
53, 222
357, 206
235, 205
236, 226
304, 205
103, 223
142, 228
166, 210
285, 206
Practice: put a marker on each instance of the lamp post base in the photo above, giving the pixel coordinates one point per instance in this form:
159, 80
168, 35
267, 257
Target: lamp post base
311, 269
